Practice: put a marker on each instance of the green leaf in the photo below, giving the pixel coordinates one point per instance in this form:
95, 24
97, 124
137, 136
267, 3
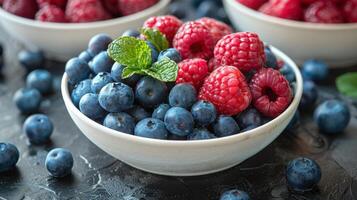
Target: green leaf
127, 72
164, 70
347, 84
156, 38
131, 52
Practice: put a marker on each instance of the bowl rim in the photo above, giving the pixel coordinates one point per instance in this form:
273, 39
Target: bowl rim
285, 22
87, 25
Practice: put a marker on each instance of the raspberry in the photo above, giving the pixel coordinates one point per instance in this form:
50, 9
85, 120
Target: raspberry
58, 3
50, 13
192, 71
167, 25
111, 6
86, 11
227, 89
211, 64
323, 12
350, 10
216, 28
128, 7
243, 50
287, 9
271, 92
193, 40
22, 8
253, 4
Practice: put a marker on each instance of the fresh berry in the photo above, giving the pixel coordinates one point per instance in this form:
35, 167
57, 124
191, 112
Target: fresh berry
196, 3
182, 95
100, 80
120, 121
253, 4
178, 9
85, 56
211, 65
154, 52
132, 33
350, 11
302, 174
193, 40
58, 3
22, 8
171, 53
203, 112
38, 128
225, 126
315, 70
9, 155
286, 9
128, 7
82, 88
59, 162
150, 92
332, 116
227, 89
28, 100
179, 121
111, 6
234, 195
77, 70
151, 128
90, 107
271, 92
323, 12
249, 117
271, 60
101, 63
51, 13
287, 72
160, 111
207, 9
167, 25
116, 74
78, 11
138, 113
31, 60
248, 128
309, 94
41, 80
243, 50
216, 28
116, 97
200, 134
99, 43
192, 71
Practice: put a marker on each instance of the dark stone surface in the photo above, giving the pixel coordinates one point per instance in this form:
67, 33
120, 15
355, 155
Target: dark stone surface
97, 175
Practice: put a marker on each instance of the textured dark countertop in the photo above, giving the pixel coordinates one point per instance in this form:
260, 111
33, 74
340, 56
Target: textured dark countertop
97, 175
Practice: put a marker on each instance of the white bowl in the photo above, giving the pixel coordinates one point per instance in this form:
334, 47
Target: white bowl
336, 44
184, 158
62, 41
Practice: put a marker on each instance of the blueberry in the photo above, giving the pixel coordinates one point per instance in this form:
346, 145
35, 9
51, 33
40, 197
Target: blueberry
315, 70
171, 53
101, 63
182, 95
117, 71
288, 73
178, 9
85, 56
77, 70
82, 88
154, 52
89, 106
59, 162
160, 111
302, 174
100, 80
132, 33
38, 128
138, 113
116, 97
120, 121
150, 92
294, 121
332, 116
309, 94
99, 43
28, 100
225, 126
207, 9
151, 128
196, 3
31, 60
248, 128
203, 112
249, 117
221, 15
234, 195
9, 155
179, 121
271, 60
200, 134
41, 80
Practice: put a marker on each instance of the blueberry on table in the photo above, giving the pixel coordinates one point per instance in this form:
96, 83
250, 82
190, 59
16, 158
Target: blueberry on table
28, 100
101, 63
179, 121
99, 43
309, 94
171, 53
234, 195
82, 88
302, 174
9, 155
150, 92
31, 60
203, 112
120, 121
225, 126
332, 116
38, 128
100, 80
41, 80
131, 33
90, 107
182, 95
315, 70
85, 56
59, 162
116, 74
151, 128
200, 134
154, 52
138, 113
249, 117
160, 111
77, 70
271, 60
116, 97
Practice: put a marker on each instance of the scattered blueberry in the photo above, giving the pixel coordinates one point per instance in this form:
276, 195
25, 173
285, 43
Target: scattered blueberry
28, 100
200, 134
179, 121
138, 113
82, 88
150, 92
41, 80
77, 70
115, 97
249, 117
31, 60
86, 56
38, 128
225, 126
9, 155
99, 43
160, 111
288, 73
171, 53
315, 70
182, 95
271, 60
101, 63
59, 162
203, 112
294, 121
131, 32
309, 94
100, 80
117, 71
151, 128
120, 121
234, 195
178, 9
154, 52
89, 106
207, 9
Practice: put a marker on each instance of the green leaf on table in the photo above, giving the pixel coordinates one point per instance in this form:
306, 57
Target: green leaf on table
156, 38
164, 70
347, 84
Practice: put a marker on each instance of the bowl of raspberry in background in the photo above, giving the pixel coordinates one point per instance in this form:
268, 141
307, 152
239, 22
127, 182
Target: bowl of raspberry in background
304, 29
62, 28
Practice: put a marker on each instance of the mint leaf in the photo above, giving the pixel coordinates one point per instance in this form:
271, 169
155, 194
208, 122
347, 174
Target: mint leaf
156, 38
131, 52
127, 72
347, 84
164, 70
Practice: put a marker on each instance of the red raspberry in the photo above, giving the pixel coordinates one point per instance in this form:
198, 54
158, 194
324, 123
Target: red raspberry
86, 11
287, 9
111, 6
323, 12
167, 25
271, 92
216, 28
128, 7
50, 13
243, 50
211, 64
58, 3
192, 71
253, 4
227, 89
308, 2
350, 11
193, 40
22, 8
